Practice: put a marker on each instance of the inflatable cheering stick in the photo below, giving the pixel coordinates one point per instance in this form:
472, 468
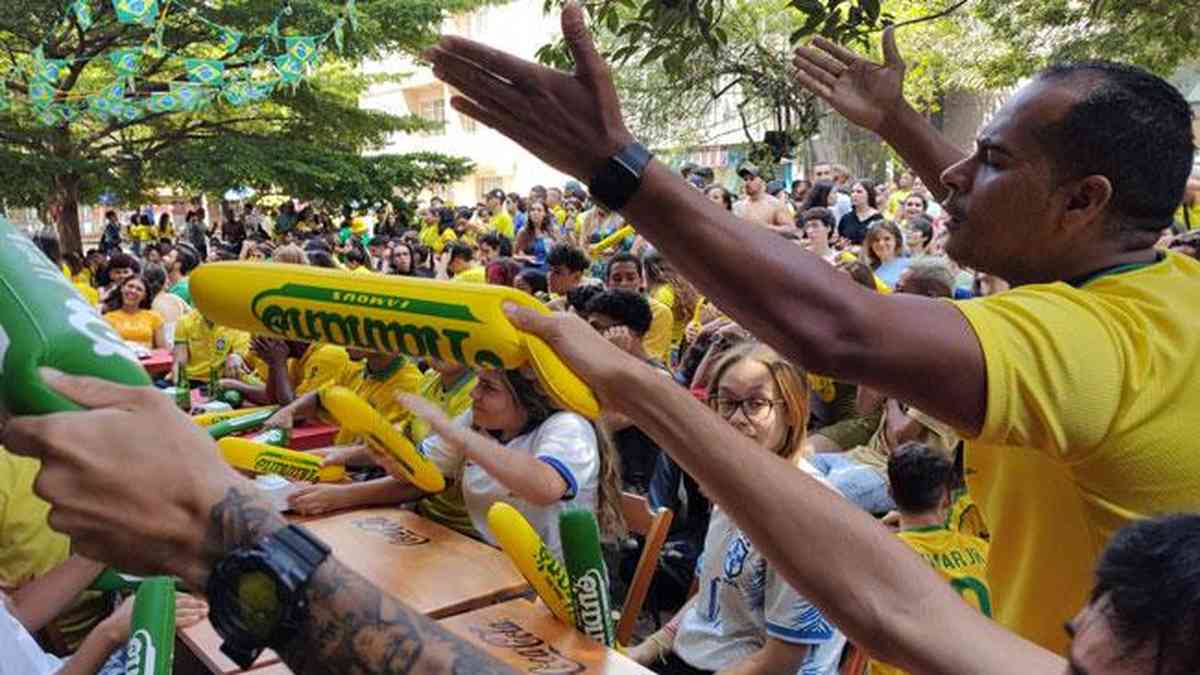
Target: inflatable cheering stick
240, 424
589, 578
534, 561
357, 416
209, 419
247, 455
45, 323
151, 649
611, 240
463, 323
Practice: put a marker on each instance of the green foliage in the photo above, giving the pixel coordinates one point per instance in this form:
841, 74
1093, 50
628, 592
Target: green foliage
89, 156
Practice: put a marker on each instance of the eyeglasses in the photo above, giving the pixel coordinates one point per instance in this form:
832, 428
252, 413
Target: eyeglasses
755, 409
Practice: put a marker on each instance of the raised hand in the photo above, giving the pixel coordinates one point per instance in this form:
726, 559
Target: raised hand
572, 121
866, 93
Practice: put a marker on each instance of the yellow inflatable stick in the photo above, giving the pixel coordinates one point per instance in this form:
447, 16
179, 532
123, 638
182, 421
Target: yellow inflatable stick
464, 323
536, 563
209, 419
255, 457
611, 240
357, 416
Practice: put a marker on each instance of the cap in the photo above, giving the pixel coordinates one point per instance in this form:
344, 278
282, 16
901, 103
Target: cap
748, 168
705, 171
774, 187
572, 186
497, 194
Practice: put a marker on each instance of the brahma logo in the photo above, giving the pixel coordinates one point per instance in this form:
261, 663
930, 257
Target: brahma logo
105, 342
591, 606
141, 654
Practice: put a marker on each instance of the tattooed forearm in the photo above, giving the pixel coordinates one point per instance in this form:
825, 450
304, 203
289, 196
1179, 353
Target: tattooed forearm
353, 627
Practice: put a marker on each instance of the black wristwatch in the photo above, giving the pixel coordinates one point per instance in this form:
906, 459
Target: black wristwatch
621, 177
256, 595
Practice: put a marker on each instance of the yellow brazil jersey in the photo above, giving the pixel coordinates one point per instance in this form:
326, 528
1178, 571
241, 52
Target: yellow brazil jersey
29, 548
472, 275
428, 236
961, 559
657, 341
560, 216
448, 507
1188, 216
320, 366
1090, 425
964, 516
208, 344
895, 203
665, 294
503, 223
379, 389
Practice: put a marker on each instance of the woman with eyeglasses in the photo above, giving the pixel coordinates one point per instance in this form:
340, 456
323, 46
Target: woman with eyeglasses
745, 617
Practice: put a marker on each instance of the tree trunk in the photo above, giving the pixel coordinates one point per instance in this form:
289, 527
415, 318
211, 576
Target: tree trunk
64, 211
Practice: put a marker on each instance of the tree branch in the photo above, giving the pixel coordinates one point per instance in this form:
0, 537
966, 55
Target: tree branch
932, 17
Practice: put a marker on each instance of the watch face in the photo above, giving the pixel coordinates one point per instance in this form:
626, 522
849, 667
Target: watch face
258, 604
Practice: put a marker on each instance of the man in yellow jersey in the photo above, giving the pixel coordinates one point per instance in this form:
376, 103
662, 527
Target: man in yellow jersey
920, 479
625, 272
1075, 390
295, 368
462, 267
201, 345
502, 222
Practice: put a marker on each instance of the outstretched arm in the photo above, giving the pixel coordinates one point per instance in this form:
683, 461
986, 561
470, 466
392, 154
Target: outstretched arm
915, 349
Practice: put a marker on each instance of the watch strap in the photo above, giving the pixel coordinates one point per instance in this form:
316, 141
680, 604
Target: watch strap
296, 552
621, 176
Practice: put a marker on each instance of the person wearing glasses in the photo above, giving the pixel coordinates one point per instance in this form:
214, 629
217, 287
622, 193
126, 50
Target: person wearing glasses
745, 617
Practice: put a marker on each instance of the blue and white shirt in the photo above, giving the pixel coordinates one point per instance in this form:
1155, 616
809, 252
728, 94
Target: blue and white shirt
743, 601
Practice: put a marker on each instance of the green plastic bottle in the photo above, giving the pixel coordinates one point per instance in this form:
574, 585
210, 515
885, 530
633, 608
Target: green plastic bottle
112, 580
238, 425
44, 322
214, 384
151, 649
183, 390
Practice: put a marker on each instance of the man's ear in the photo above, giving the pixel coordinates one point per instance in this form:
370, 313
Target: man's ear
1087, 199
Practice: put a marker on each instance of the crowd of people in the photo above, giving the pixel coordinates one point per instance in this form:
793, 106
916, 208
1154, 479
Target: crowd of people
1015, 439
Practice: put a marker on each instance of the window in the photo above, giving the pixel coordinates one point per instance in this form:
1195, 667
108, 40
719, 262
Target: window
469, 125
433, 110
489, 183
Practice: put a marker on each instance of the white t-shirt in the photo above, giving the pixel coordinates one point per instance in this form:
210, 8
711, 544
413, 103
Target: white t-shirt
20, 654
565, 441
743, 600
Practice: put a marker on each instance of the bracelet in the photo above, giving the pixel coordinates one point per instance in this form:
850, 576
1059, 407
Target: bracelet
663, 648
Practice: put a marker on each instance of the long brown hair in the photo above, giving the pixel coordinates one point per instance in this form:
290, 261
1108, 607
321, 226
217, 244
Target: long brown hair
530, 395
658, 272
873, 234
791, 382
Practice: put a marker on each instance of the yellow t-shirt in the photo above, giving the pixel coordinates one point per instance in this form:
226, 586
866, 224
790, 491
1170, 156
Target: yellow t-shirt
29, 548
964, 516
208, 344
472, 275
560, 216
665, 294
503, 223
429, 238
657, 341
321, 366
895, 202
1090, 425
90, 294
380, 390
1188, 216
447, 508
139, 327
961, 559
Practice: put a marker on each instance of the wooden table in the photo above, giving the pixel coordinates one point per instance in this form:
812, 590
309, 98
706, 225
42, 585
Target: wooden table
159, 362
204, 643
430, 568
528, 638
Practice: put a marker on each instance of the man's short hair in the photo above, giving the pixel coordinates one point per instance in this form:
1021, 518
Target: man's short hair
624, 257
570, 256
357, 256
626, 308
188, 258
578, 297
124, 261
501, 243
1130, 126
1148, 584
820, 213
930, 277
460, 251
919, 477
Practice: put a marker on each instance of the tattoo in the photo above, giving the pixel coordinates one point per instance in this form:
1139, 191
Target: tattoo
353, 628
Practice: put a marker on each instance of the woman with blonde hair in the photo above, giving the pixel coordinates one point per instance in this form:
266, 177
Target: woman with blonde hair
746, 618
290, 253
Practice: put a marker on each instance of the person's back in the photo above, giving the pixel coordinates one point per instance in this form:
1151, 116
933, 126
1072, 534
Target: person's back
1079, 380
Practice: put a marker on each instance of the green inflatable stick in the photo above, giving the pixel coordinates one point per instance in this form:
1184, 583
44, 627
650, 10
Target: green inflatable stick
237, 425
44, 322
151, 649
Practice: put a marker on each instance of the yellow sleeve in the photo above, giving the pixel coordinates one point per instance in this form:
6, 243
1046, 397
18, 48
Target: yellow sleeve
240, 342
1054, 368
156, 319
657, 341
503, 224
324, 367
